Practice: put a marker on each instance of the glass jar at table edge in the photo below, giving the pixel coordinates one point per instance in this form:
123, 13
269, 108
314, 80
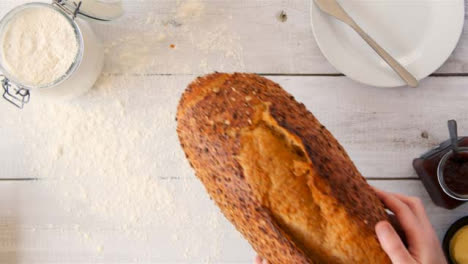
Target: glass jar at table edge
449, 235
441, 176
426, 168
86, 67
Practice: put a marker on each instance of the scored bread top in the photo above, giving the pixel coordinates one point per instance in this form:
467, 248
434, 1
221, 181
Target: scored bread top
276, 173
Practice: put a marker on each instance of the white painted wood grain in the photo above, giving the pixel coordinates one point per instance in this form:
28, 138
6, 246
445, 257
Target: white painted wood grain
248, 34
380, 128
34, 228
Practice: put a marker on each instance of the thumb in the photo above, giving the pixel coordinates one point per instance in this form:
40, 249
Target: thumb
392, 244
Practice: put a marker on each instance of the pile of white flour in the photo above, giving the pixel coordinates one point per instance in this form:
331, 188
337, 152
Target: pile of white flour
38, 46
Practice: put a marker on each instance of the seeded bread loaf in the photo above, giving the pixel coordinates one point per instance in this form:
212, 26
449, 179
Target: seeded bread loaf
276, 173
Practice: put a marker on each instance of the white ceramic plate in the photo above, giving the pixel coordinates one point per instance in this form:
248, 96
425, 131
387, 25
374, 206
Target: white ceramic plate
420, 34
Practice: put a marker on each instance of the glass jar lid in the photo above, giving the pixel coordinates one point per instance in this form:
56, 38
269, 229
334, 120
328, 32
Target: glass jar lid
103, 10
454, 184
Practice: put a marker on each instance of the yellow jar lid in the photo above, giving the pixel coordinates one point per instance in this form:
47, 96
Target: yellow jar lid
459, 246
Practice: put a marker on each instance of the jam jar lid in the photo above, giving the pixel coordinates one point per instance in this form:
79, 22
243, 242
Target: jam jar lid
462, 182
451, 232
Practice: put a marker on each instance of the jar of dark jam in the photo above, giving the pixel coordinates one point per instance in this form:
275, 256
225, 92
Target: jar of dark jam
452, 174
427, 167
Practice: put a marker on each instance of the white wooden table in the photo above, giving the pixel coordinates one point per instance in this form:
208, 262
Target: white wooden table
380, 128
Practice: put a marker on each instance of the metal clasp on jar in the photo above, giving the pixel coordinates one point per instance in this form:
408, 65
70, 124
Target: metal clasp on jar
71, 9
18, 95
14, 94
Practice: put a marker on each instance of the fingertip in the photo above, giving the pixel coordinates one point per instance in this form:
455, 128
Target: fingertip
382, 228
387, 235
391, 243
258, 260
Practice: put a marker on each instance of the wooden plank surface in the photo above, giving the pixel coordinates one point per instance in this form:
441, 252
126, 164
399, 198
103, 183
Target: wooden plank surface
35, 228
132, 109
254, 39
380, 128
241, 35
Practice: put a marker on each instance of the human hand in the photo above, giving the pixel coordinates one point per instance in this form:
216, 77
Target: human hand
259, 260
423, 244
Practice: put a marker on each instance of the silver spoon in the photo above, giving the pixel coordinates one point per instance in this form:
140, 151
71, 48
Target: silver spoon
453, 130
334, 9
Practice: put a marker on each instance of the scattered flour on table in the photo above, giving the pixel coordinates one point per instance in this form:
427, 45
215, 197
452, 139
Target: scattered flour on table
113, 161
94, 149
189, 9
112, 157
163, 42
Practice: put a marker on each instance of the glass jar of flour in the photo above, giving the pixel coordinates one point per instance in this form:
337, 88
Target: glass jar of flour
49, 49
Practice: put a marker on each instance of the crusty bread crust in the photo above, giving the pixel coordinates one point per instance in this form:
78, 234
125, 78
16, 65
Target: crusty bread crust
276, 173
